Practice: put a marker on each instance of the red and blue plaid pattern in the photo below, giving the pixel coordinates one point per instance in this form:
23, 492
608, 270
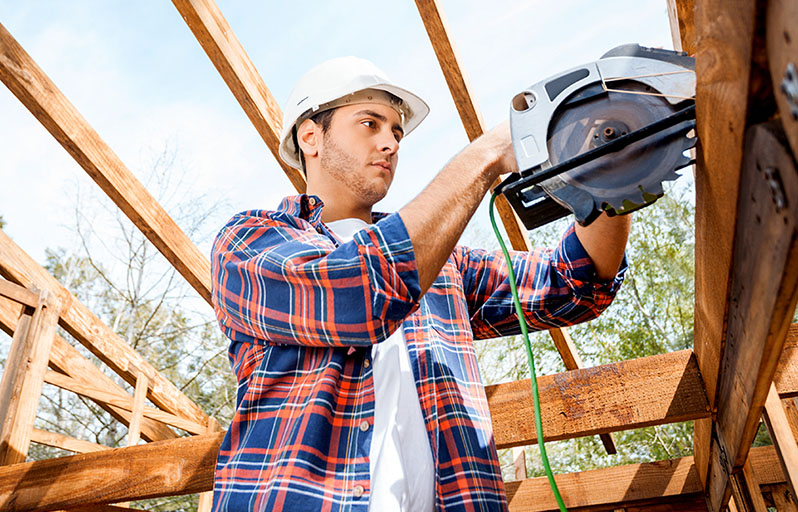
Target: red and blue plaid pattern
302, 310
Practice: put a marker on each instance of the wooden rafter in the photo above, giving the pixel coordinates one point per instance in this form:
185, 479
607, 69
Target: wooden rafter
101, 340
219, 41
40, 95
186, 465
23, 376
438, 32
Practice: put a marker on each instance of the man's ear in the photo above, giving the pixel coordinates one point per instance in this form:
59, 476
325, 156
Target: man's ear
308, 136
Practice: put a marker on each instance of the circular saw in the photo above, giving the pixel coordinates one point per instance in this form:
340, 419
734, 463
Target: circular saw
602, 137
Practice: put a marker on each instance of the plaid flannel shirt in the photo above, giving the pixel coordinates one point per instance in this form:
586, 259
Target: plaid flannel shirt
302, 310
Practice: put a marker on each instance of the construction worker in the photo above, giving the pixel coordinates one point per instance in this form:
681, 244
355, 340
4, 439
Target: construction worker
351, 331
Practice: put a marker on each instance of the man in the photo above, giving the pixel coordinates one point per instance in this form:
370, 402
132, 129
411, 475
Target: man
351, 332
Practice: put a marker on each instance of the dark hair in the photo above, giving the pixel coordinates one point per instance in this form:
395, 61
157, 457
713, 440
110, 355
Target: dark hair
324, 119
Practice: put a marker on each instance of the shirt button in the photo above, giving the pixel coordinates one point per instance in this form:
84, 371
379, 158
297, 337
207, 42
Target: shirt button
364, 425
366, 363
358, 491
312, 201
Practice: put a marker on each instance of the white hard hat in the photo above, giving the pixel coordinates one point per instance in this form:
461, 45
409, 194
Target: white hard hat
334, 83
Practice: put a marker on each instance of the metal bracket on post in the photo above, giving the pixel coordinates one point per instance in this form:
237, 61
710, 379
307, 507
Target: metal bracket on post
789, 86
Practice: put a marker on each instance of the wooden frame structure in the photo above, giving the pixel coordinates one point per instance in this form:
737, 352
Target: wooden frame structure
744, 364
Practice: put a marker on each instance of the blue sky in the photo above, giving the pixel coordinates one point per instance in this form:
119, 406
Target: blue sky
136, 73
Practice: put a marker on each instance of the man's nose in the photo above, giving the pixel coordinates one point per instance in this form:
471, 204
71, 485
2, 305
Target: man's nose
388, 143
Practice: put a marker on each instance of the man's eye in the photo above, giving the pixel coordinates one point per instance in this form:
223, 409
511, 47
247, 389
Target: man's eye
369, 123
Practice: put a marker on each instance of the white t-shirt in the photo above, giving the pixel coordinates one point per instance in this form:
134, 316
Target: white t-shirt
400, 458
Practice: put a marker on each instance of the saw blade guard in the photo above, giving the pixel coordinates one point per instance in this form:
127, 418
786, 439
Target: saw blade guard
628, 89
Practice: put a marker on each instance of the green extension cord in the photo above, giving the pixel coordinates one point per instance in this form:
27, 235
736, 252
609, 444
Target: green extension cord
534, 380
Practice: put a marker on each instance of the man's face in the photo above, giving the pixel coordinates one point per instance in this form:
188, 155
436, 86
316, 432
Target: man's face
360, 150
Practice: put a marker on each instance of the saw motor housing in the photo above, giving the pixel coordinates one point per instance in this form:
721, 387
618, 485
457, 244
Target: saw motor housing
601, 137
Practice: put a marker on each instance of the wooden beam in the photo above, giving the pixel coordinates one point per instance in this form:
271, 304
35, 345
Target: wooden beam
782, 48
681, 14
41, 96
122, 401
221, 45
764, 291
186, 465
64, 442
612, 397
786, 377
609, 487
140, 393
781, 434
628, 486
572, 361
163, 468
18, 294
724, 41
66, 359
86, 328
23, 376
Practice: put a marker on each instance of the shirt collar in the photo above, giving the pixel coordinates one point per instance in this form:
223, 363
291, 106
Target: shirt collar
309, 207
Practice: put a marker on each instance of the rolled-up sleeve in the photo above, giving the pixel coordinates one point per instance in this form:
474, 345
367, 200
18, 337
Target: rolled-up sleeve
277, 280
556, 287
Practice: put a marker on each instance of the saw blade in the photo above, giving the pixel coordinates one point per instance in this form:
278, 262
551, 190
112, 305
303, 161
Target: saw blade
628, 179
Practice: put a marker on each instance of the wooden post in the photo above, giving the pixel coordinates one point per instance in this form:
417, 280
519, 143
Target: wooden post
763, 294
23, 377
782, 436
745, 490
519, 462
724, 39
134, 431
206, 498
681, 14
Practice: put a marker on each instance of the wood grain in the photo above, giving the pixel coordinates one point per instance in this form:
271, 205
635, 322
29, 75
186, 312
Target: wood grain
221, 45
66, 359
786, 377
23, 377
781, 433
724, 39
589, 401
51, 108
631, 487
91, 332
65, 442
163, 468
681, 14
137, 411
18, 294
611, 487
763, 295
